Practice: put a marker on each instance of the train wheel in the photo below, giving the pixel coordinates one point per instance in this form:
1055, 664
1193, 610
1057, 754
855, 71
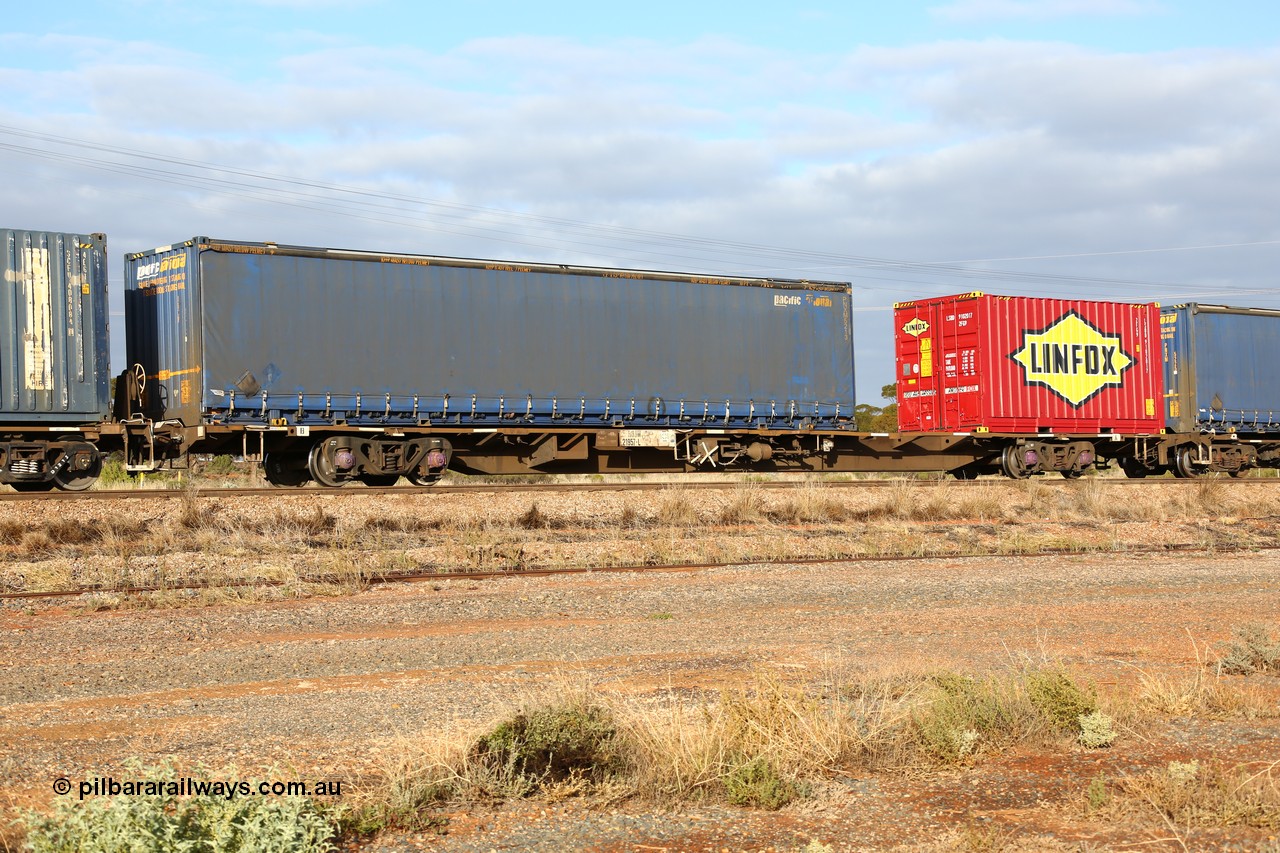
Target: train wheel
965, 473
323, 471
380, 481
287, 470
1183, 467
1013, 463
1072, 475
30, 486
423, 480
70, 479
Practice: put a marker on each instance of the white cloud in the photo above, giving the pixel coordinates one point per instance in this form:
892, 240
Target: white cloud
986, 10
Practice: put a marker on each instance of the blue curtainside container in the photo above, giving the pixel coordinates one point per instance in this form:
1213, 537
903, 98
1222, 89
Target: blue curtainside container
1220, 368
53, 315
231, 332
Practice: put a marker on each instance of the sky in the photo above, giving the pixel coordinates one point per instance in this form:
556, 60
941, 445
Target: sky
1092, 149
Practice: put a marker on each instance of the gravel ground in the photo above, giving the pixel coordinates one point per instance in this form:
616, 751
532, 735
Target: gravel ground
317, 688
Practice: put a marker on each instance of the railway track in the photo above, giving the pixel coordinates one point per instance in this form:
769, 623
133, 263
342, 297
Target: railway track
434, 576
254, 491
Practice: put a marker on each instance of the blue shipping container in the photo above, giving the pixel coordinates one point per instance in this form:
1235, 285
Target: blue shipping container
53, 316
1220, 368
232, 332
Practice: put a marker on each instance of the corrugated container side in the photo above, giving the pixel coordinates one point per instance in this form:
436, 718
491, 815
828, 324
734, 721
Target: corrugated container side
1026, 365
393, 339
54, 349
1220, 367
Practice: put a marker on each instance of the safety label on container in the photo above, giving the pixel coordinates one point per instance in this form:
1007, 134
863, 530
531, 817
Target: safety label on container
647, 438
38, 329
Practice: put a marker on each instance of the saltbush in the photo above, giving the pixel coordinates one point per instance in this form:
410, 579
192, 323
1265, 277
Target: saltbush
1096, 730
195, 824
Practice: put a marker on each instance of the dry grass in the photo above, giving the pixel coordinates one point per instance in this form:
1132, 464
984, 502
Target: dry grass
808, 504
676, 509
1190, 794
745, 505
770, 741
686, 750
310, 535
762, 744
1203, 691
1199, 693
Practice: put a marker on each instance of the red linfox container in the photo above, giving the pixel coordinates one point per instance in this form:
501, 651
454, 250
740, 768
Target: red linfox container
1014, 364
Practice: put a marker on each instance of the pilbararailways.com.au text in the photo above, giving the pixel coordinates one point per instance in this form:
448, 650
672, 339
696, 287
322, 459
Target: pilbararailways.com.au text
228, 789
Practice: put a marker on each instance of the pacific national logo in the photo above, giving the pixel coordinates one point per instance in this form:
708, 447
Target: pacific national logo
1072, 359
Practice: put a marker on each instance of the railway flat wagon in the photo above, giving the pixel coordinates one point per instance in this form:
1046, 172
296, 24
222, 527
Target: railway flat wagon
54, 376
300, 349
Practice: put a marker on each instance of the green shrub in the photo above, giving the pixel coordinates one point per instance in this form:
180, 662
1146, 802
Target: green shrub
758, 784
1098, 794
552, 744
221, 466
1057, 696
113, 474
197, 824
967, 715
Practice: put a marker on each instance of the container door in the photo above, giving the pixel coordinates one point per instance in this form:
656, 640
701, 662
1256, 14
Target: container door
913, 343
1179, 372
53, 354
162, 293
958, 325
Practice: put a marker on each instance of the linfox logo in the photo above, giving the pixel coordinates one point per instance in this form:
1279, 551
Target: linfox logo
916, 327
1072, 358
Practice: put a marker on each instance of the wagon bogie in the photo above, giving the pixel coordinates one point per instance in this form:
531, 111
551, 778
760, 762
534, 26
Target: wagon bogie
69, 462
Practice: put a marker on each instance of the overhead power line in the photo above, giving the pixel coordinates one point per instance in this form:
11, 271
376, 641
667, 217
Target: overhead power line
513, 227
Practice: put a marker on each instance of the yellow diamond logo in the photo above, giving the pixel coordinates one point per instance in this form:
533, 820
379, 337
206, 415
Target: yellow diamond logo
916, 327
1072, 358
